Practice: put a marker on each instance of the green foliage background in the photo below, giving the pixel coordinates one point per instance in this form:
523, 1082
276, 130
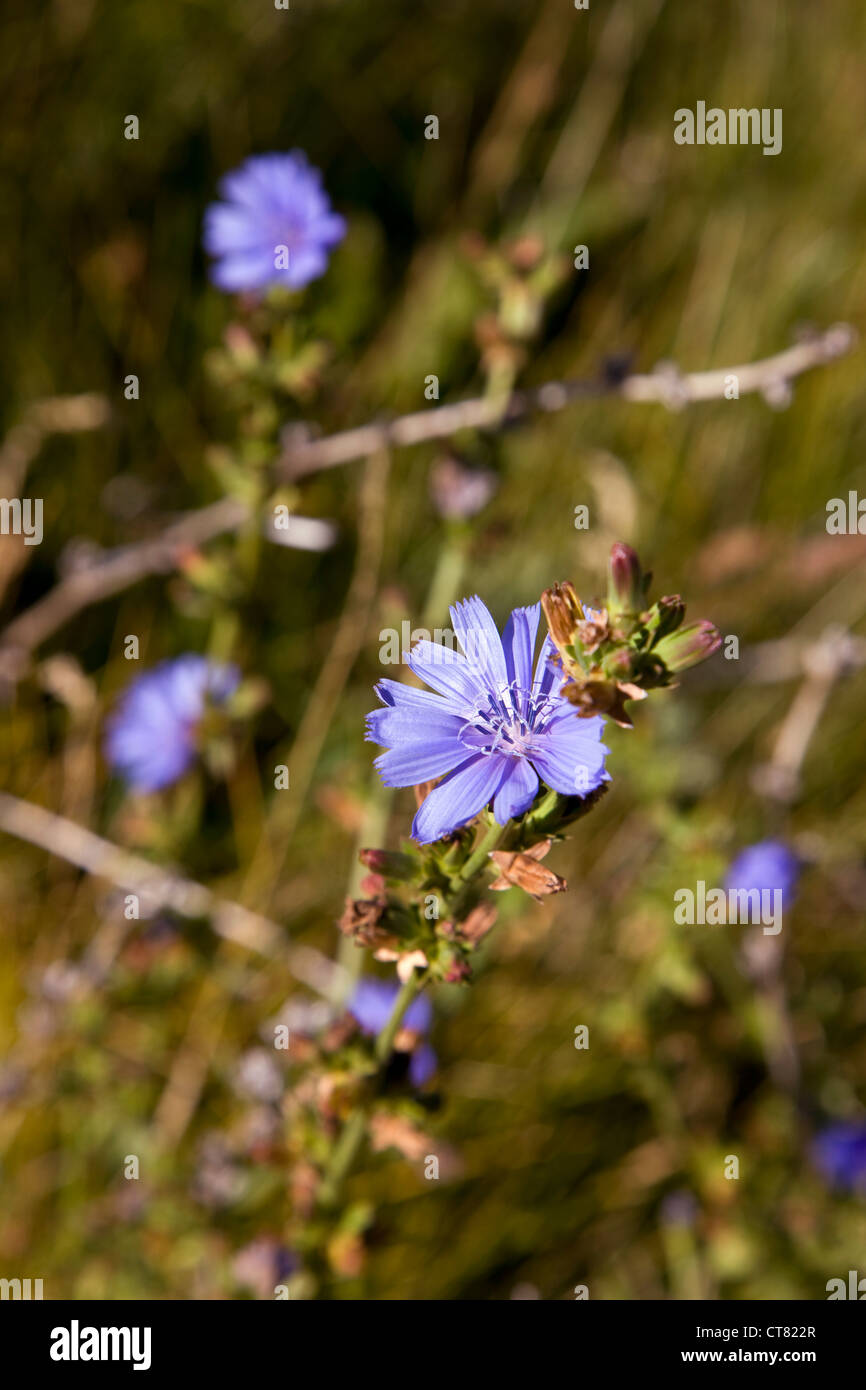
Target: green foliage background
559, 123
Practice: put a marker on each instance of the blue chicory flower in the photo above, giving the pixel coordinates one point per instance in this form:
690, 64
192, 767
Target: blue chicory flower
770, 865
274, 209
491, 729
371, 1004
151, 736
839, 1152
264, 1263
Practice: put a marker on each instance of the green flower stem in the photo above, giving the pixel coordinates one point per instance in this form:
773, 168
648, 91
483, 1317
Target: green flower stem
385, 1040
354, 1131
463, 884
478, 858
444, 584
342, 1158
546, 811
351, 1140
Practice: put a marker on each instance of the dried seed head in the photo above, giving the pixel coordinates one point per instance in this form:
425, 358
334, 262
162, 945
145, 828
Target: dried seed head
563, 611
522, 870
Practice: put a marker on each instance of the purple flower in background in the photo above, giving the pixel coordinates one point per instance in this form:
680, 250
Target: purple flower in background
371, 1004
151, 736
263, 1264
274, 227
492, 726
840, 1153
679, 1208
459, 492
770, 864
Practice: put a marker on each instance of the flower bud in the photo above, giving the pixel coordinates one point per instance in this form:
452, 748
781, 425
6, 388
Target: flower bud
665, 616
622, 664
389, 863
625, 580
689, 646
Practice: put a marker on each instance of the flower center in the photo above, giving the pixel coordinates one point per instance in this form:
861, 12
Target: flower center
507, 723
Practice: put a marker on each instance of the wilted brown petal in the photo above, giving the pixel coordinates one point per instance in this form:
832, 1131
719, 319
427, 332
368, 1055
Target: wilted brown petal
591, 633
479, 922
563, 612
361, 919
605, 697
522, 870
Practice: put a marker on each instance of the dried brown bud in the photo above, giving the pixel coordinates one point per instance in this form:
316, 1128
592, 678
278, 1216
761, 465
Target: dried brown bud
607, 697
362, 919
593, 631
522, 870
478, 923
361, 912
563, 611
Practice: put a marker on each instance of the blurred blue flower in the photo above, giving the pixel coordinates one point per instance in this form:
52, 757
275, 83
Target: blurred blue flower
491, 726
679, 1208
263, 1264
839, 1152
151, 736
274, 227
371, 1004
769, 864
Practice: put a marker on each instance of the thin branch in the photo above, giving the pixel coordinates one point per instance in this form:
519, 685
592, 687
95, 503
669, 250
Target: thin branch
111, 575
52, 415
823, 664
771, 376
834, 655
774, 662
304, 454
158, 888
303, 757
